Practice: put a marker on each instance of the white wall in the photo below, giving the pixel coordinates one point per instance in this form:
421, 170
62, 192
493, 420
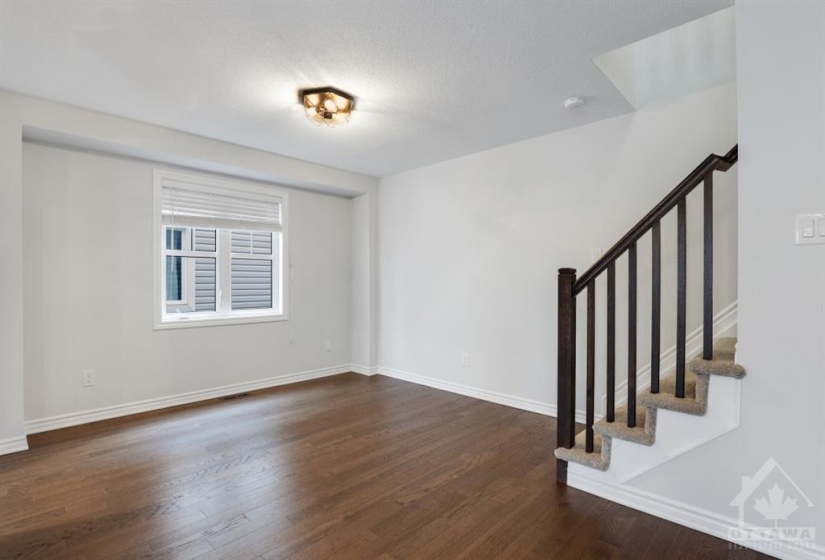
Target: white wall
365, 283
88, 130
88, 299
781, 76
470, 248
11, 287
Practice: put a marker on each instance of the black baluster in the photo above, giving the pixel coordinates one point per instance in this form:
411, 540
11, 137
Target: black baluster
707, 323
631, 336
681, 296
656, 308
591, 364
611, 342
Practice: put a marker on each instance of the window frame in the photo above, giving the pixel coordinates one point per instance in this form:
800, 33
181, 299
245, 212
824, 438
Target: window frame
281, 266
188, 272
185, 273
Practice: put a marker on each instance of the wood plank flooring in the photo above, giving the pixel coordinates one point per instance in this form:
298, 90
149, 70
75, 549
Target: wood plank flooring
343, 467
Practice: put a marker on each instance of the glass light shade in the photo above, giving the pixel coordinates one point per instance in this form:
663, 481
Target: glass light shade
327, 106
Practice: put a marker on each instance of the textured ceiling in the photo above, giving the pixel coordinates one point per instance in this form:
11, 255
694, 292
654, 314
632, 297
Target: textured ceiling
434, 80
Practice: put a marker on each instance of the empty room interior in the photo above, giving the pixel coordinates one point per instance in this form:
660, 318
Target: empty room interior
409, 279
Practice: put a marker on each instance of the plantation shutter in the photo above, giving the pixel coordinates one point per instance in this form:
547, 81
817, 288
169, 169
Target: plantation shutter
203, 206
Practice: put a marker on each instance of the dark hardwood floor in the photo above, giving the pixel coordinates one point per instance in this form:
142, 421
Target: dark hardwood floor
343, 467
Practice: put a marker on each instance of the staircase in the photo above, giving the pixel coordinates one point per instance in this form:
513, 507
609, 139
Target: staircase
695, 401
685, 389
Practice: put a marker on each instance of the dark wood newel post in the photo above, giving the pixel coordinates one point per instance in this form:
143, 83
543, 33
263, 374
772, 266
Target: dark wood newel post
566, 396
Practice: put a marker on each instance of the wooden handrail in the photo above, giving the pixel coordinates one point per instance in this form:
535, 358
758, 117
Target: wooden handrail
569, 287
711, 163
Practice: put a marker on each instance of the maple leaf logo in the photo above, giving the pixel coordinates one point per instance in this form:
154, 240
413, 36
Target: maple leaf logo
777, 506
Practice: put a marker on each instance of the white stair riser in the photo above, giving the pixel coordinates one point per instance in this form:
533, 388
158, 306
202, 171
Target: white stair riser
676, 434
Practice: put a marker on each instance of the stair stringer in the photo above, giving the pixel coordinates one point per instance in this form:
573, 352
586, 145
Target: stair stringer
676, 434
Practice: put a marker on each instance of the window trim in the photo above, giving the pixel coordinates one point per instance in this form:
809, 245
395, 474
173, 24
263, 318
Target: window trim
207, 319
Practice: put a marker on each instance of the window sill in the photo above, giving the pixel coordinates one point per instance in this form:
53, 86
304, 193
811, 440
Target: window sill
217, 321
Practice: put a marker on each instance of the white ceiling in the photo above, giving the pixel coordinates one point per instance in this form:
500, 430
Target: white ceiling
434, 80
695, 56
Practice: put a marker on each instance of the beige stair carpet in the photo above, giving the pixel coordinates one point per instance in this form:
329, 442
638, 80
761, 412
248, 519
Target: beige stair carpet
695, 401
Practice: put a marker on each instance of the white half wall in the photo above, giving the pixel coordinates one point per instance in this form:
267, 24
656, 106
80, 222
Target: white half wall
470, 248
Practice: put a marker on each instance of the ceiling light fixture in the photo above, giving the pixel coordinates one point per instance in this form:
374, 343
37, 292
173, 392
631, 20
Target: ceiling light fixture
327, 106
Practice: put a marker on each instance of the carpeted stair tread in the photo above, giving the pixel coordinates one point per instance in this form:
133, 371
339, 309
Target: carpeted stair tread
694, 402
724, 352
716, 366
599, 459
643, 433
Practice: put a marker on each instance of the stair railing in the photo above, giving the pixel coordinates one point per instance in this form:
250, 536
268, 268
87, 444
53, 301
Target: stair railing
569, 287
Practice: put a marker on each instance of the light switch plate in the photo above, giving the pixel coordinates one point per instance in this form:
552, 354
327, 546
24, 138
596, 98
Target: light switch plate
810, 229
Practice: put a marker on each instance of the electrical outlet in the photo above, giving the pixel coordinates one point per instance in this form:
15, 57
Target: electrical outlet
595, 254
327, 346
465, 359
87, 378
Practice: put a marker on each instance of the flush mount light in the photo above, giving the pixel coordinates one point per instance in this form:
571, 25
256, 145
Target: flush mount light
327, 106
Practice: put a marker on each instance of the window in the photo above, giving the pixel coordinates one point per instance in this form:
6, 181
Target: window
219, 252
174, 284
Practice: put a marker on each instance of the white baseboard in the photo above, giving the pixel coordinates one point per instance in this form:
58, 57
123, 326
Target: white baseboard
77, 418
722, 322
482, 394
684, 514
725, 320
13, 445
363, 370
